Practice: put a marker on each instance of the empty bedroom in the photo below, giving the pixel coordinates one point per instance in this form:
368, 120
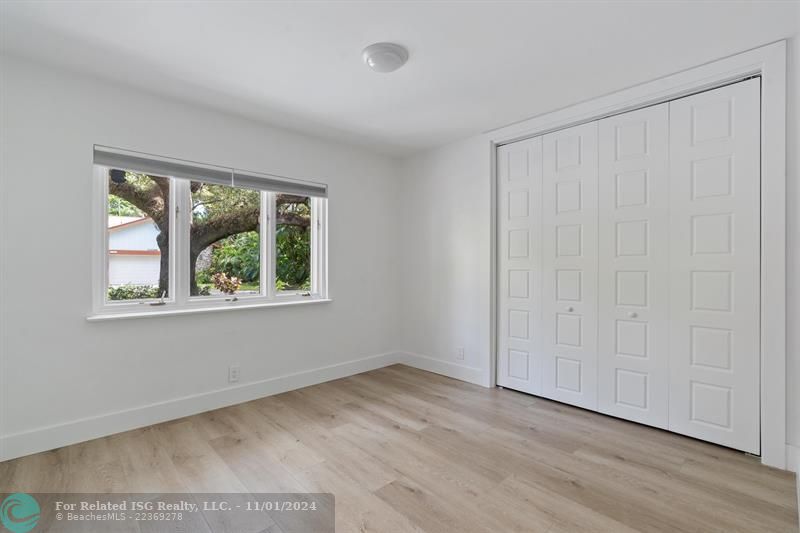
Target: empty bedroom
399, 266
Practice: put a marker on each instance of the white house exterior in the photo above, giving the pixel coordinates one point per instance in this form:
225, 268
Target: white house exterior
133, 255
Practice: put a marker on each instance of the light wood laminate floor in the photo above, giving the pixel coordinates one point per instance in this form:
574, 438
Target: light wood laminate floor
407, 450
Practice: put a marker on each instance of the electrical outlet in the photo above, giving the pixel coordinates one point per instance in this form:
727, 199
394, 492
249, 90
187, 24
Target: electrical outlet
460, 353
233, 373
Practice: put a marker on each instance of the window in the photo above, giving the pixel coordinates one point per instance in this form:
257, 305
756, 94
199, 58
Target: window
292, 243
137, 233
177, 236
224, 240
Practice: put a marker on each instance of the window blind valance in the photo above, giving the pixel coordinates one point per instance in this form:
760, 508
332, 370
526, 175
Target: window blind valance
177, 168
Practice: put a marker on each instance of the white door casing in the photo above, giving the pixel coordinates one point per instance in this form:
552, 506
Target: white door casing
715, 265
519, 172
633, 253
569, 265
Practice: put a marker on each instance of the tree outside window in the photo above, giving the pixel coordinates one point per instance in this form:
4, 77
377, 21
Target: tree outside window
224, 240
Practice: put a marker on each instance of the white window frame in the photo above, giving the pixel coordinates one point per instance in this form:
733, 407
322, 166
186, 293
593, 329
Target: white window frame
178, 300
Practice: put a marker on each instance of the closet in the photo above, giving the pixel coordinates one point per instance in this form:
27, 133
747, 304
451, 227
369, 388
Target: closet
628, 265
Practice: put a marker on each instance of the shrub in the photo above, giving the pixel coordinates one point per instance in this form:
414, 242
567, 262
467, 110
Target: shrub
281, 285
203, 277
228, 285
293, 261
237, 255
133, 292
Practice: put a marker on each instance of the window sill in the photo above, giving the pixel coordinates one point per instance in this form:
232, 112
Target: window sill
99, 317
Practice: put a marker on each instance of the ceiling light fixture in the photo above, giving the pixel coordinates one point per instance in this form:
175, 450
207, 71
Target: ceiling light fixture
385, 57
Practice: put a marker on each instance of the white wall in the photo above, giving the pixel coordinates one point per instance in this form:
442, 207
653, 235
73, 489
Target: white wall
446, 246
445, 260
140, 236
793, 245
62, 378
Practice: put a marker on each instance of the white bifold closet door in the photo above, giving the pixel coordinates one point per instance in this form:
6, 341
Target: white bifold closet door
569, 266
519, 196
633, 256
715, 265
629, 265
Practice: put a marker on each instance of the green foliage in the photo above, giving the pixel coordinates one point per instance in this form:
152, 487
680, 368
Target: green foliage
144, 181
133, 292
281, 285
238, 256
123, 208
203, 277
293, 261
293, 243
209, 201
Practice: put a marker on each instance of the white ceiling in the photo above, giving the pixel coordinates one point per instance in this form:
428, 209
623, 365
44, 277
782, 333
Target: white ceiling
474, 66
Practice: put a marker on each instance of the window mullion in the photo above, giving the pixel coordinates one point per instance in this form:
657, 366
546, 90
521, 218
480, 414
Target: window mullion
320, 265
314, 233
263, 251
181, 213
100, 272
268, 243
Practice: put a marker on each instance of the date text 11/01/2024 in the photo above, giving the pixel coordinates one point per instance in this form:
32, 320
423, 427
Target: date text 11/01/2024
185, 506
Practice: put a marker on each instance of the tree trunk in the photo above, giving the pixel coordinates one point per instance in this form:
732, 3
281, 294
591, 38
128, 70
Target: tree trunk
163, 277
194, 290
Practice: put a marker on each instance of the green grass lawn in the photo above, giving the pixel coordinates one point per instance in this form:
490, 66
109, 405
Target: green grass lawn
245, 287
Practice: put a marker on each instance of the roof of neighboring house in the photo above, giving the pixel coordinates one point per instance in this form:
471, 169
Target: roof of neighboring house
116, 222
134, 252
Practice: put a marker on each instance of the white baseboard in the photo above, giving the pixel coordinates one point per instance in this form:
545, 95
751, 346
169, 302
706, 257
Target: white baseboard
792, 458
793, 465
55, 436
445, 368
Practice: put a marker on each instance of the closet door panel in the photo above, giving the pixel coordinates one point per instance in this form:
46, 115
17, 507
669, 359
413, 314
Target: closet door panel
633, 329
519, 190
715, 262
569, 270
